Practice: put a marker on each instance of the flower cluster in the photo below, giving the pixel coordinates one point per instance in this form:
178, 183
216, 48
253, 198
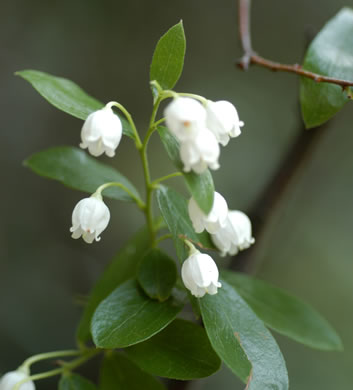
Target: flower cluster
200, 129
230, 232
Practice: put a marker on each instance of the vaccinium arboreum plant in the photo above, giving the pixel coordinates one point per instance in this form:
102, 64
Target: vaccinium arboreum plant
134, 306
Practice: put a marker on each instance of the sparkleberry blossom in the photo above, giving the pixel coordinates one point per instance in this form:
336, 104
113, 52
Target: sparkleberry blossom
235, 235
200, 274
101, 132
185, 117
214, 220
200, 152
223, 120
9, 380
89, 218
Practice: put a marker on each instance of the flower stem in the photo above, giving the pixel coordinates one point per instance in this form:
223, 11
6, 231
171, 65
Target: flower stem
68, 366
170, 176
149, 185
136, 198
43, 356
162, 238
130, 120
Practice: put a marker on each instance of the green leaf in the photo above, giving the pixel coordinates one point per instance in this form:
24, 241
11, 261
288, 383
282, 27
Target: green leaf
242, 341
171, 205
119, 373
75, 382
122, 267
201, 186
180, 351
284, 313
330, 54
76, 169
157, 274
66, 96
127, 316
168, 58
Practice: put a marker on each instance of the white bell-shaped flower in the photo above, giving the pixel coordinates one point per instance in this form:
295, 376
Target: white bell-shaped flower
200, 153
89, 218
200, 274
215, 220
235, 236
9, 380
185, 117
101, 132
223, 120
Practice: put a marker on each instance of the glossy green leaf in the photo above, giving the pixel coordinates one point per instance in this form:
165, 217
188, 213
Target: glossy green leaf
330, 54
76, 169
201, 186
122, 267
127, 316
174, 211
242, 341
285, 313
157, 274
168, 58
66, 96
119, 373
180, 351
75, 382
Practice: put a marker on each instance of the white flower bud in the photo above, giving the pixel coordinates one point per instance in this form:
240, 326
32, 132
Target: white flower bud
101, 132
235, 235
223, 120
216, 218
185, 117
200, 274
89, 218
9, 380
200, 153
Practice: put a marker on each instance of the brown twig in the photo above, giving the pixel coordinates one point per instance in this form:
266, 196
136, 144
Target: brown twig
251, 57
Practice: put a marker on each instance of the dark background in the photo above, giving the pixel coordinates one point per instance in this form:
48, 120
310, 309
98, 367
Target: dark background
106, 47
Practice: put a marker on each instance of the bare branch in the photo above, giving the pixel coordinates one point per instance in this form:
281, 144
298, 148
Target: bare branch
251, 57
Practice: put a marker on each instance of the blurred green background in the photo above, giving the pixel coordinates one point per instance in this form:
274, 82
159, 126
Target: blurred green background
106, 47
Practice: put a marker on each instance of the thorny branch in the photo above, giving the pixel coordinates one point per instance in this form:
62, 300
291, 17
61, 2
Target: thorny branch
251, 57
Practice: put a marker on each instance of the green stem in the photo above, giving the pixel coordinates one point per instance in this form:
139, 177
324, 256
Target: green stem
130, 120
170, 176
149, 187
162, 238
137, 199
58, 371
43, 356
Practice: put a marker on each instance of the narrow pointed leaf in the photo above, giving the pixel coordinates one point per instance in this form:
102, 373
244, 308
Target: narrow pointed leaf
75, 382
157, 274
242, 341
122, 267
66, 96
285, 313
127, 317
180, 351
168, 58
120, 373
76, 169
201, 186
330, 54
174, 211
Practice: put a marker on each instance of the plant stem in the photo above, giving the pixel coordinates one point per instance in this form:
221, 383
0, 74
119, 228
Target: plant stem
170, 176
149, 186
58, 371
49, 355
251, 57
137, 199
162, 238
130, 120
